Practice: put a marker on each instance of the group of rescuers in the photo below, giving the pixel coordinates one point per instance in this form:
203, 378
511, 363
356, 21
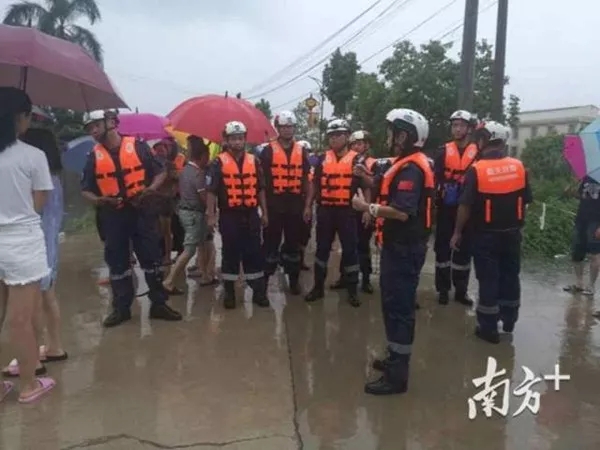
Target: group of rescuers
479, 193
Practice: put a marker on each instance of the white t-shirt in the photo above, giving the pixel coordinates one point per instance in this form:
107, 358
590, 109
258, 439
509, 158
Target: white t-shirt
23, 169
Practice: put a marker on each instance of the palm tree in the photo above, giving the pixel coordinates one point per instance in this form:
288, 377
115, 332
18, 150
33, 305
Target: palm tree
58, 18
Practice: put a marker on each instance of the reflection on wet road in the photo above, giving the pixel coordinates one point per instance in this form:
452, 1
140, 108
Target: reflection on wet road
292, 376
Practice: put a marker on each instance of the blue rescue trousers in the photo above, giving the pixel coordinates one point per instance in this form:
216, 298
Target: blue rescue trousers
400, 271
497, 260
122, 228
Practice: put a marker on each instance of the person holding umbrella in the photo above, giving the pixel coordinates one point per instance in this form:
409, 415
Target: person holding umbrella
235, 184
120, 176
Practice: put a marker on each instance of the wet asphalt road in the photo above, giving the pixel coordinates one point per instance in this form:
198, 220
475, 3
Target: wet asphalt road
291, 377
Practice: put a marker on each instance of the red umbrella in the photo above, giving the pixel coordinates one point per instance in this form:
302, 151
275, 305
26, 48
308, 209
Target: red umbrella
206, 116
54, 72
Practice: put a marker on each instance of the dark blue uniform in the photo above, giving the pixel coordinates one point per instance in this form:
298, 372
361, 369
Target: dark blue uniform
587, 220
332, 220
285, 217
241, 233
452, 267
125, 226
402, 258
497, 261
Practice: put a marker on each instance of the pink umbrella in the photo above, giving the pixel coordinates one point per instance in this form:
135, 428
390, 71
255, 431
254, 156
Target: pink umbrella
574, 154
144, 126
54, 72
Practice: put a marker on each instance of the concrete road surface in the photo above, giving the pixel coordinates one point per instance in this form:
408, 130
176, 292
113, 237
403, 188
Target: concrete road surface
292, 376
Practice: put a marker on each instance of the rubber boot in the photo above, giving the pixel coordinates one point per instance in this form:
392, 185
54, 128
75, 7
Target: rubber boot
318, 290
339, 284
295, 283
443, 298
463, 298
353, 296
259, 293
394, 379
493, 337
229, 298
380, 364
366, 285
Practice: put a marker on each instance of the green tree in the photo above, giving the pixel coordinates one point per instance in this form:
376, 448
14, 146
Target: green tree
512, 111
265, 107
339, 80
58, 18
544, 160
424, 79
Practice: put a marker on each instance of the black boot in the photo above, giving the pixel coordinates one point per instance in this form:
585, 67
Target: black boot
259, 293
493, 337
164, 312
463, 298
116, 317
316, 293
380, 364
394, 379
229, 298
366, 285
443, 298
295, 284
353, 296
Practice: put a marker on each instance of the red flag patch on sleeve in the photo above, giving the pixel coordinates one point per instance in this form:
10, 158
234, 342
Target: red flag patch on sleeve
406, 185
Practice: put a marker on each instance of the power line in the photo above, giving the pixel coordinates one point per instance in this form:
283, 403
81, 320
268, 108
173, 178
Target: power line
434, 15
322, 60
315, 49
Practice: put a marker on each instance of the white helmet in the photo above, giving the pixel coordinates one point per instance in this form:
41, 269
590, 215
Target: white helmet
337, 125
305, 145
233, 128
498, 131
409, 120
358, 136
93, 116
284, 118
461, 114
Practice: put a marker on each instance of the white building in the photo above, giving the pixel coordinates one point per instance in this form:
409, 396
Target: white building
546, 121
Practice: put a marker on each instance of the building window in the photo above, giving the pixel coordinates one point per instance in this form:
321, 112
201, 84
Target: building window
515, 133
513, 151
572, 128
551, 129
534, 132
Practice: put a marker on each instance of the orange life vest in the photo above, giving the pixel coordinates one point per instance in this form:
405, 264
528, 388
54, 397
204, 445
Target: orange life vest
336, 179
456, 165
132, 170
501, 185
425, 207
241, 187
286, 173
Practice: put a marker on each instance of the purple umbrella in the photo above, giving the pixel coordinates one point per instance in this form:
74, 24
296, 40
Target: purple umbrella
54, 72
144, 126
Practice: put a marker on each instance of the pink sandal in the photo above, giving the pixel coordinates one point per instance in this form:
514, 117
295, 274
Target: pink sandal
46, 385
6, 387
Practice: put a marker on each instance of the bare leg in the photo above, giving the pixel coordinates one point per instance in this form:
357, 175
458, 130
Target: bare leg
178, 267
54, 345
22, 301
594, 269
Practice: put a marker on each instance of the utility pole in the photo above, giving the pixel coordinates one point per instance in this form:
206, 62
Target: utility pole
467, 63
499, 62
321, 108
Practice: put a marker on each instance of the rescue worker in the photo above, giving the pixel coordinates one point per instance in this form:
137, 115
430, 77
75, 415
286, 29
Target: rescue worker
360, 142
120, 176
404, 211
495, 193
453, 267
286, 168
235, 184
333, 186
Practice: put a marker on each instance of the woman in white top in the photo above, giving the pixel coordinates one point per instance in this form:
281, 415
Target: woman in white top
24, 183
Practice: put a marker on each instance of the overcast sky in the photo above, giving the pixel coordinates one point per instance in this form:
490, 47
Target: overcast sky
161, 52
